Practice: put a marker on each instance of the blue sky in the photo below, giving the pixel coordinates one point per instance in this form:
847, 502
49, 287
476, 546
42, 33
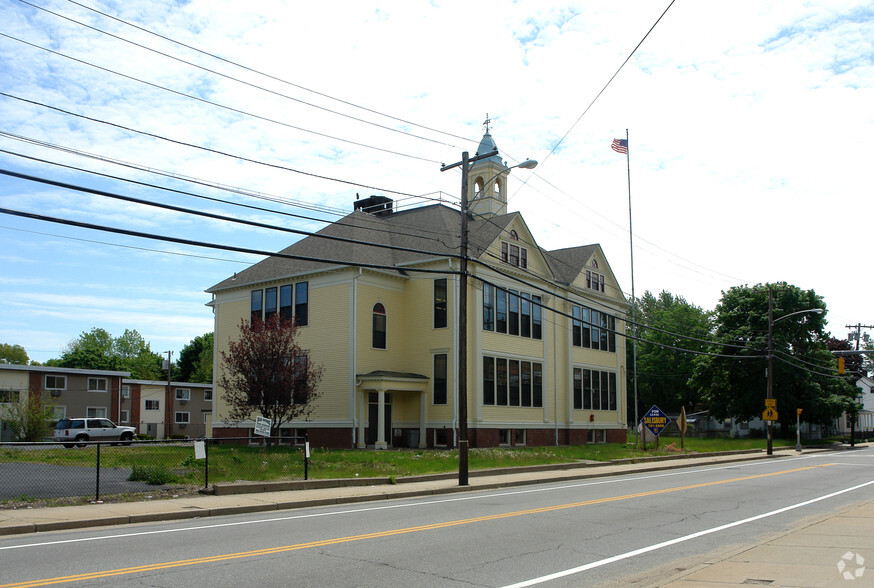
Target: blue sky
750, 124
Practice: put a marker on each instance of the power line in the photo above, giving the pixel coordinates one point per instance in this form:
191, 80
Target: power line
217, 105
215, 216
200, 147
266, 75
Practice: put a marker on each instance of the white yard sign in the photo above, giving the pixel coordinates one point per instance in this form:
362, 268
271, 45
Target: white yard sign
263, 426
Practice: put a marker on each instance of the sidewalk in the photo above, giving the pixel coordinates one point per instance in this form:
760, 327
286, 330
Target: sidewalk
831, 551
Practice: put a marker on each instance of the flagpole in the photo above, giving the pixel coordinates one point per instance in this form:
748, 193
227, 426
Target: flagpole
633, 298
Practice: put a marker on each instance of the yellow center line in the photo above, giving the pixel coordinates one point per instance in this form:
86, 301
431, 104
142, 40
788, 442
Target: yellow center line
379, 534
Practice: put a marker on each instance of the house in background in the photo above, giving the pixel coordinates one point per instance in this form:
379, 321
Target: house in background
184, 409
865, 417
545, 361
72, 392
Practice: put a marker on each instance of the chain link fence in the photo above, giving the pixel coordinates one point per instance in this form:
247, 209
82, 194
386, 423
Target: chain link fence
48, 473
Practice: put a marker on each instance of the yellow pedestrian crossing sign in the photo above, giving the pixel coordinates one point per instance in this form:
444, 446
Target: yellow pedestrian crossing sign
769, 415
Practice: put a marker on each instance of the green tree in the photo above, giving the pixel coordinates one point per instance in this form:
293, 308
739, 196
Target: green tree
98, 350
667, 323
195, 360
30, 418
13, 354
733, 382
267, 373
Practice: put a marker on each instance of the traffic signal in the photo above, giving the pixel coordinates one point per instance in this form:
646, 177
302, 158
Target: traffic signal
840, 365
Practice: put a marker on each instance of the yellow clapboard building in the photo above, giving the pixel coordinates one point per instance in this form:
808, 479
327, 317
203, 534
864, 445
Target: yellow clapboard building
546, 361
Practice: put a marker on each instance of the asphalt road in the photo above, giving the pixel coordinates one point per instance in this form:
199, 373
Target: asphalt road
40, 480
612, 531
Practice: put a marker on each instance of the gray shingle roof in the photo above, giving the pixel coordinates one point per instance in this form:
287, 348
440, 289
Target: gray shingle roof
435, 229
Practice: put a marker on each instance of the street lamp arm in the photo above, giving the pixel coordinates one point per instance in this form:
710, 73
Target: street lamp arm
809, 310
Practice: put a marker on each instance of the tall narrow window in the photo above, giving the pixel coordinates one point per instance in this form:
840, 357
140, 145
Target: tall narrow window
301, 303
578, 388
488, 307
488, 380
440, 304
578, 326
269, 303
612, 391
587, 327
513, 315
286, 310
611, 337
587, 389
501, 311
526, 383
596, 390
256, 305
604, 334
523, 258
605, 391
501, 370
537, 384
378, 326
514, 382
440, 378
596, 330
514, 256
536, 320
505, 247
525, 315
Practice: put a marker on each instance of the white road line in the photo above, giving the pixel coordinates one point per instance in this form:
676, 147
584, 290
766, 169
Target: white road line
558, 486
636, 552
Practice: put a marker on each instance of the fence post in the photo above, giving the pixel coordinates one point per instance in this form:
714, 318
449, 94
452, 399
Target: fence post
206, 463
306, 456
97, 489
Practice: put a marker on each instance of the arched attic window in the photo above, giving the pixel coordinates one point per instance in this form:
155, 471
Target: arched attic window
378, 326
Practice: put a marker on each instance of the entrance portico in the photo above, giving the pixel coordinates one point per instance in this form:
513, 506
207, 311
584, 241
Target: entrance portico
384, 385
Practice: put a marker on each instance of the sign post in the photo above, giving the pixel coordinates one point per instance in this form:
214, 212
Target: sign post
798, 412
682, 425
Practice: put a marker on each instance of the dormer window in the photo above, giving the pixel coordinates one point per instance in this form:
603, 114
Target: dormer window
514, 255
595, 281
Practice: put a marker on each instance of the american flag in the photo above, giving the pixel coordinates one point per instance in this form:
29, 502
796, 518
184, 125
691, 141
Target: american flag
620, 146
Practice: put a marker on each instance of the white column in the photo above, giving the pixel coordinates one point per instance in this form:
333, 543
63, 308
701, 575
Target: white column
361, 398
380, 420
423, 399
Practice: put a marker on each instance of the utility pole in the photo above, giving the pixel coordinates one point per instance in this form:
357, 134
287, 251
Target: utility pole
465, 164
857, 336
168, 413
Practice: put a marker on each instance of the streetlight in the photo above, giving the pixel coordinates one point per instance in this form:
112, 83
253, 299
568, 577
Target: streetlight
465, 165
771, 321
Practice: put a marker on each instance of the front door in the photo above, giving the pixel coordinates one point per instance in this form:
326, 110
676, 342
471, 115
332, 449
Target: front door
373, 419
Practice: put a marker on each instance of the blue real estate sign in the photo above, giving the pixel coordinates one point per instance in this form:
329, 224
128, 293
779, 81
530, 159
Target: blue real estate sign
655, 420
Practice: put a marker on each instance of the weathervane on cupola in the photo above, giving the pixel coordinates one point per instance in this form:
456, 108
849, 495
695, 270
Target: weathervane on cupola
487, 181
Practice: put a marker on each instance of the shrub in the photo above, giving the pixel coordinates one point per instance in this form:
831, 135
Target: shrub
152, 475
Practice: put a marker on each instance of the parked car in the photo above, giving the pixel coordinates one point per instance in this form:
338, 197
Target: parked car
87, 429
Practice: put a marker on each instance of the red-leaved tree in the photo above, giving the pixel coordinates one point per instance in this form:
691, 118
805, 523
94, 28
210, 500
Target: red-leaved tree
265, 371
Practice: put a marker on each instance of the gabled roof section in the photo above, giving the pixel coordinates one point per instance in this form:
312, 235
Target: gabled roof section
568, 263
434, 228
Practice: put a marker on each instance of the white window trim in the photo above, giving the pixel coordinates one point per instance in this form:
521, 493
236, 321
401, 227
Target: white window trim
98, 380
125, 391
185, 396
209, 393
157, 402
95, 409
46, 382
181, 412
